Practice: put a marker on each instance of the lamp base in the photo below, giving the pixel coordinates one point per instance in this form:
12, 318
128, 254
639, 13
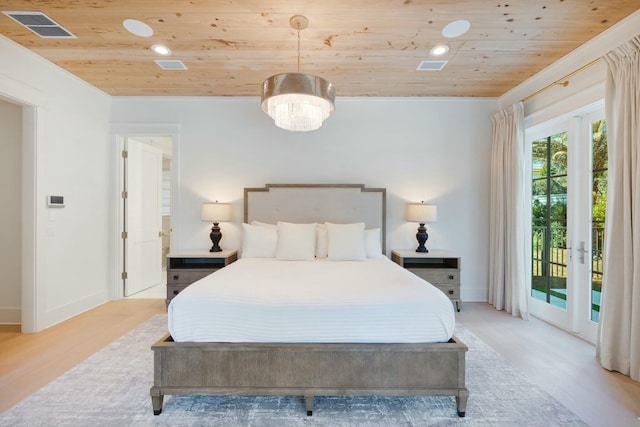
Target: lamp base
215, 236
422, 237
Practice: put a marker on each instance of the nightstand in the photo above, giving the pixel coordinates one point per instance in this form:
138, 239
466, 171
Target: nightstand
440, 268
184, 268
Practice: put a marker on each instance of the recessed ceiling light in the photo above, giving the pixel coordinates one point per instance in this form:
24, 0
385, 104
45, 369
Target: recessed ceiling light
439, 50
138, 28
161, 49
456, 28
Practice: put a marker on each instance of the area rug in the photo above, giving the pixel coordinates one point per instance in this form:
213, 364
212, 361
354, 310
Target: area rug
111, 388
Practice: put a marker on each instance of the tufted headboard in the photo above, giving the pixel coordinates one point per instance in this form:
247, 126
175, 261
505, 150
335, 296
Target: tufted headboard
304, 203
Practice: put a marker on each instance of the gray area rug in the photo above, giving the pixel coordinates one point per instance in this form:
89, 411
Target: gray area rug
111, 388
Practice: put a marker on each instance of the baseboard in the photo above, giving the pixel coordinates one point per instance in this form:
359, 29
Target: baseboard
473, 294
10, 315
67, 311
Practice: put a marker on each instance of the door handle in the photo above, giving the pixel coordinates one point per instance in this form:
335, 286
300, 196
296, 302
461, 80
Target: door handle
582, 251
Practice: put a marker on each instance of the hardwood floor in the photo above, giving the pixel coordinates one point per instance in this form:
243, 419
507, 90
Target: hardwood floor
29, 361
561, 364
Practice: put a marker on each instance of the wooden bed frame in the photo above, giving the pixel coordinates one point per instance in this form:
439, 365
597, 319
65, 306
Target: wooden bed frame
314, 369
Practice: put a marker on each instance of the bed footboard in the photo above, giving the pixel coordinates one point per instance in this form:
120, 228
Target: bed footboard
309, 370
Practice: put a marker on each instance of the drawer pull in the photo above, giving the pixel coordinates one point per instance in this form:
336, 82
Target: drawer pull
176, 276
451, 277
450, 291
176, 292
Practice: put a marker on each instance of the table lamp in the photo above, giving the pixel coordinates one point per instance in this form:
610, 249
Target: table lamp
216, 213
421, 213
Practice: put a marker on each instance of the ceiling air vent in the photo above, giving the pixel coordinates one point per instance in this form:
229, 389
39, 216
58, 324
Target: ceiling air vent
170, 64
431, 65
40, 24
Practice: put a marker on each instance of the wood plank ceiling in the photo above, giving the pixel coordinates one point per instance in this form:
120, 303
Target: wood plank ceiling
365, 47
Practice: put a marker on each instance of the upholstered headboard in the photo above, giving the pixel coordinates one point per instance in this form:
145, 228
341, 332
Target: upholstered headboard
304, 203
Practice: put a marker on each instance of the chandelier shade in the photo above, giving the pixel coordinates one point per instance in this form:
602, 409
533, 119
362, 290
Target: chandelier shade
297, 101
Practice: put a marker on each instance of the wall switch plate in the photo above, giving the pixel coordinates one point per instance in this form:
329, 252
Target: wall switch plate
55, 201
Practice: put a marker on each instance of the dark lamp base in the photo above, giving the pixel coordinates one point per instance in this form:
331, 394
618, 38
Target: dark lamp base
422, 237
215, 236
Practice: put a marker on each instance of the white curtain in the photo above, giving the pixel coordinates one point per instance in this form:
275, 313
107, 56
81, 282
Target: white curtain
507, 252
618, 345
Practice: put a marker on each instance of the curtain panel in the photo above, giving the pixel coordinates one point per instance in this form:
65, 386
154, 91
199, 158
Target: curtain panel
507, 252
618, 345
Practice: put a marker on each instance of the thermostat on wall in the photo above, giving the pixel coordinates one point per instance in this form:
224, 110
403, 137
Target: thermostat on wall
55, 201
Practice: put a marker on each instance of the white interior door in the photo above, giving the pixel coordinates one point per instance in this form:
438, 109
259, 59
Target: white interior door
143, 217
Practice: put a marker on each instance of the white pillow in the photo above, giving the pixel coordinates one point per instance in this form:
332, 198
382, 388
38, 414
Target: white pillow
321, 242
263, 224
373, 243
346, 242
258, 242
296, 242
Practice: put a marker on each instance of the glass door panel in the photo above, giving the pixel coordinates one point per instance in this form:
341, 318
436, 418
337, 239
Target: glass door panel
599, 165
549, 220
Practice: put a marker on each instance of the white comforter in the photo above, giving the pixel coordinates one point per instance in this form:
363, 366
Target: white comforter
270, 300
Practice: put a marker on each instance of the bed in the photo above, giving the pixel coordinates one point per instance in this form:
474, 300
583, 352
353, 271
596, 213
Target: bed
293, 340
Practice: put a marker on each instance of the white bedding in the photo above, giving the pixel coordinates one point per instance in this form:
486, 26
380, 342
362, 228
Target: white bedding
270, 300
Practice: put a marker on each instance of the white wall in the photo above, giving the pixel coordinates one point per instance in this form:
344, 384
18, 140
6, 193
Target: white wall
10, 214
70, 249
432, 149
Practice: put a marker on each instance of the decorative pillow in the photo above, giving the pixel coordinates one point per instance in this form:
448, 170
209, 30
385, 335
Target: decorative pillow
296, 242
321, 242
346, 242
259, 242
373, 243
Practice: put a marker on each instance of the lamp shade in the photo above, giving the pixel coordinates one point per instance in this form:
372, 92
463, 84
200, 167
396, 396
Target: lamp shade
216, 212
419, 212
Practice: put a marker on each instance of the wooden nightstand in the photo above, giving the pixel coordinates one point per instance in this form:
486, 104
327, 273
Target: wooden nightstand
184, 268
440, 268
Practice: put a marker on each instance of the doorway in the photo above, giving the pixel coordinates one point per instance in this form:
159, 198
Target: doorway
568, 184
11, 218
146, 214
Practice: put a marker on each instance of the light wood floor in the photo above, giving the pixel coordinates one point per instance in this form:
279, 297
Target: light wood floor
29, 361
563, 365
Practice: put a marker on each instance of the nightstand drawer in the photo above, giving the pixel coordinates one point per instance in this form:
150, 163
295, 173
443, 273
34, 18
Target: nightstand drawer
187, 276
173, 290
437, 276
450, 291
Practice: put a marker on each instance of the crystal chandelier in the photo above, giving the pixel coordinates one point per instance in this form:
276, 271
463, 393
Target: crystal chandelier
297, 101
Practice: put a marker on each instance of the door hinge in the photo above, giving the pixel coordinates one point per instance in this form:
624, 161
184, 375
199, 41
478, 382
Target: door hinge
124, 275
125, 194
125, 235
125, 154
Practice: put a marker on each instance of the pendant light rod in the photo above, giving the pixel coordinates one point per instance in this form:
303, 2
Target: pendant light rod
298, 22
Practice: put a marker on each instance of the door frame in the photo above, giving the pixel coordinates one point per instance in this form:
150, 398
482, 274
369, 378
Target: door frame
32, 102
119, 132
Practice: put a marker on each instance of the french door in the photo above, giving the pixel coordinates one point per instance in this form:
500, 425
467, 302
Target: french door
568, 184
